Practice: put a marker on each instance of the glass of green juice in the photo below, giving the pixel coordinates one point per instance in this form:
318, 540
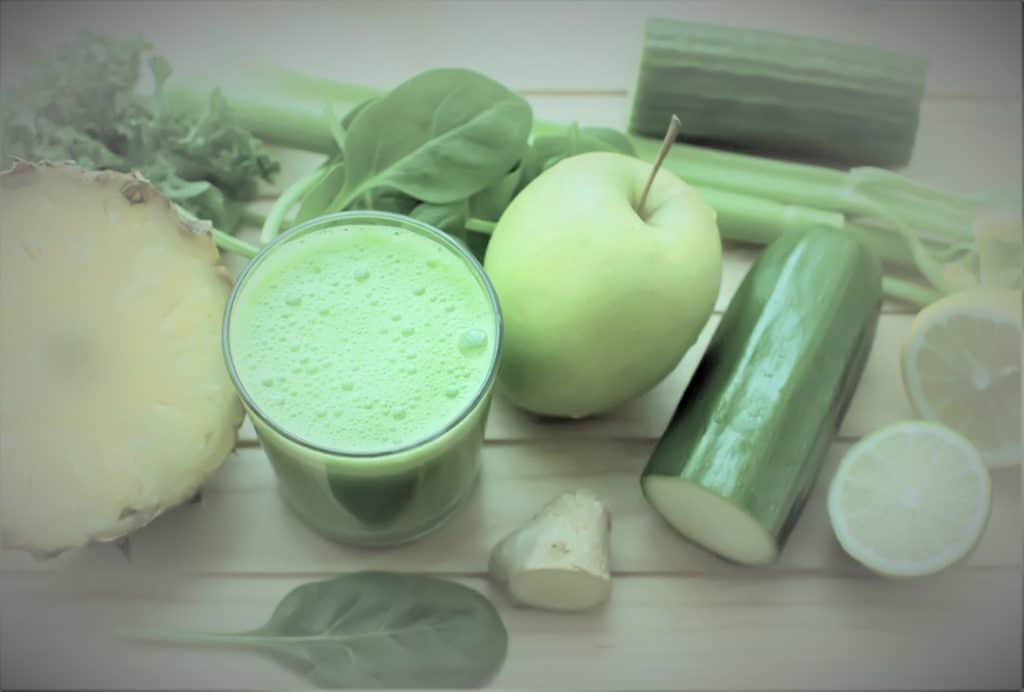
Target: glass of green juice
364, 346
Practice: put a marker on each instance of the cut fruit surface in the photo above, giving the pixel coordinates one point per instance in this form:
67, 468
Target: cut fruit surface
711, 521
115, 401
909, 500
961, 366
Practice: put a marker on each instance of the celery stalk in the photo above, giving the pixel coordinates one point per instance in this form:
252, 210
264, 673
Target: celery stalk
230, 243
859, 192
888, 246
908, 292
720, 159
751, 219
746, 217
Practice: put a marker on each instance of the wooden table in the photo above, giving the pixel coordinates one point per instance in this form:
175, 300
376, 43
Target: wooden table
679, 617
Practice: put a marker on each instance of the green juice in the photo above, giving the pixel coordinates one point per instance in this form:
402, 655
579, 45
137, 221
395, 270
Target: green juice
364, 346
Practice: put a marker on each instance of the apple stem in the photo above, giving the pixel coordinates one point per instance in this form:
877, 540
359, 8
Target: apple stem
670, 137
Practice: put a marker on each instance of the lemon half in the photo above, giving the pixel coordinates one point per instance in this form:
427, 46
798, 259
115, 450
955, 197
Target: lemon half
910, 499
961, 366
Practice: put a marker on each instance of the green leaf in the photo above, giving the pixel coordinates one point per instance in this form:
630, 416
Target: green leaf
491, 202
346, 122
374, 630
86, 105
531, 166
450, 218
392, 201
337, 132
609, 139
552, 148
338, 127
439, 137
317, 201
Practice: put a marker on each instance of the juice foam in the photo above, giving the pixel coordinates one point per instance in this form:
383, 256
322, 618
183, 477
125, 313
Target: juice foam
362, 339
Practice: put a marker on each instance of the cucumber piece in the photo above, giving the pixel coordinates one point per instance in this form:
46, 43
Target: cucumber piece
776, 93
743, 449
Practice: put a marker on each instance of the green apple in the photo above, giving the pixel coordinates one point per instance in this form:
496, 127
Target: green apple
600, 299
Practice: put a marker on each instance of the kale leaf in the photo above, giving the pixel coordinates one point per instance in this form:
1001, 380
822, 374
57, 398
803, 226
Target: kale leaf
87, 105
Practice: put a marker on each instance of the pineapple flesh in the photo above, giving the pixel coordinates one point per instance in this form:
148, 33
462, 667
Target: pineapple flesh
115, 402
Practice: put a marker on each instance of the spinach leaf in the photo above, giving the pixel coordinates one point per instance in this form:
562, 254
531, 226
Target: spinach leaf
346, 122
337, 134
491, 202
441, 136
576, 140
531, 165
317, 199
375, 629
450, 218
389, 200
611, 140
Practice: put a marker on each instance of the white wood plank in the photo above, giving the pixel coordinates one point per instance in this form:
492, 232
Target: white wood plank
241, 526
956, 631
974, 48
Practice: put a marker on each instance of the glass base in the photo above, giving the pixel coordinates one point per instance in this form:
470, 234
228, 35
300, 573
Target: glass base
379, 539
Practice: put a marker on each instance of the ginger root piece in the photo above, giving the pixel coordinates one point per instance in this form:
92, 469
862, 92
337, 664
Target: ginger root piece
115, 402
559, 559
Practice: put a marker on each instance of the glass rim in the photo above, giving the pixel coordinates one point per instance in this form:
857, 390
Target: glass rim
348, 217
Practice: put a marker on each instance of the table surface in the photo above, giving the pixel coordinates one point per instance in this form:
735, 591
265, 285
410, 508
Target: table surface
679, 617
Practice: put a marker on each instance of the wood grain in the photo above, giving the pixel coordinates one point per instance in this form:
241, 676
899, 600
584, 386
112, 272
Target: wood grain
955, 631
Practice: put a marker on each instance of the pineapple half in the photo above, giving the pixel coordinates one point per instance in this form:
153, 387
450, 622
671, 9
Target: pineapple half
115, 403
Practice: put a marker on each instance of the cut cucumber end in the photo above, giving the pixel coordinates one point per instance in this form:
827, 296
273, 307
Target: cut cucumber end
559, 589
710, 520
